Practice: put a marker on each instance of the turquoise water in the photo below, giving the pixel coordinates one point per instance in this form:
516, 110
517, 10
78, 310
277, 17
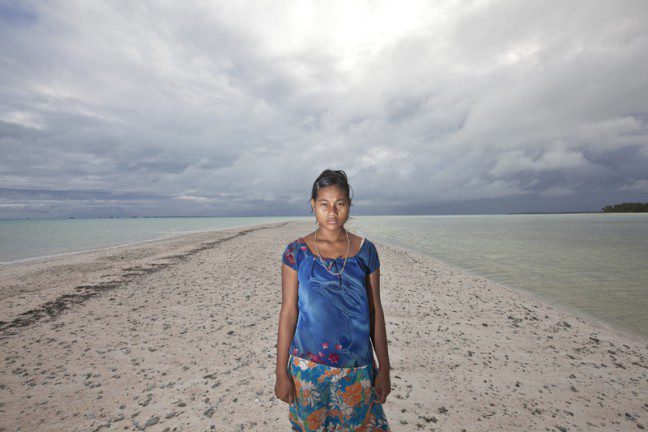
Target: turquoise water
593, 263
28, 239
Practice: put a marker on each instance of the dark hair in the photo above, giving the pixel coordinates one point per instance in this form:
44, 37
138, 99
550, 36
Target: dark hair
331, 178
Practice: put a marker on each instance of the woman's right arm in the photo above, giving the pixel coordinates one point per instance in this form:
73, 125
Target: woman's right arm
284, 387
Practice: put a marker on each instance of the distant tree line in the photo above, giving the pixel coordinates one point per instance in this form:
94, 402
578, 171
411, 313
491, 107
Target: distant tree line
626, 207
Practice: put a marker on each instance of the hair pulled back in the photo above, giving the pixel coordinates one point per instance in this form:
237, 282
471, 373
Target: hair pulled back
331, 178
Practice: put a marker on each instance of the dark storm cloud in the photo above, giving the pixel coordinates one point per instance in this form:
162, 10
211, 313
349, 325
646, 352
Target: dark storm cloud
52, 194
226, 109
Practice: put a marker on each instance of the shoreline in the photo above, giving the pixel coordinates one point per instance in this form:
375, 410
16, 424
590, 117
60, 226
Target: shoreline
584, 316
638, 337
101, 248
181, 334
89, 283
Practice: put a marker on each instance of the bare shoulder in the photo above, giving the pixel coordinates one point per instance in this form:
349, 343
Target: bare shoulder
354, 237
308, 237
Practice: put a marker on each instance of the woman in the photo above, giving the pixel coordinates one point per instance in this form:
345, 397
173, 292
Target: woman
330, 316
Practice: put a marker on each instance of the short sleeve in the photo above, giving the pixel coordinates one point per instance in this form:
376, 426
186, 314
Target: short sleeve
373, 262
290, 256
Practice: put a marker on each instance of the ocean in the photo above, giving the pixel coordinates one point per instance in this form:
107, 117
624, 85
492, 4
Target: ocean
28, 239
593, 264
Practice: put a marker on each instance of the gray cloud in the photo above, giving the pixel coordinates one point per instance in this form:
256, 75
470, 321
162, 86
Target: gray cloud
121, 109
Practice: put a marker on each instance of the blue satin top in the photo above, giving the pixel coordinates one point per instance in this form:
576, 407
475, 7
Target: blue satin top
333, 323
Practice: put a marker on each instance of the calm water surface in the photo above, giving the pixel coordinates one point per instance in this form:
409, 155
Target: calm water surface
592, 263
32, 238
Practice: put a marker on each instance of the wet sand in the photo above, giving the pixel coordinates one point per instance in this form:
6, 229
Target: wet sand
180, 335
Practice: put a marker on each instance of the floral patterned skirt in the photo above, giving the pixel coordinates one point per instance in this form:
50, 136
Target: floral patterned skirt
334, 399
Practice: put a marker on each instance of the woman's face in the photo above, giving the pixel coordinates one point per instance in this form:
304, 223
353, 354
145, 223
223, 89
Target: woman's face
331, 208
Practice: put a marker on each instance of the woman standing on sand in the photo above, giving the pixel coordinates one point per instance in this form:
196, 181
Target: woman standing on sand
330, 315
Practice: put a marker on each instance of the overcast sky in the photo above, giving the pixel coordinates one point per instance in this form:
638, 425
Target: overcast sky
122, 108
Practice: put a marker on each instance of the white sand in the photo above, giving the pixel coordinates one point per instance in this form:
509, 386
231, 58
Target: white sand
180, 335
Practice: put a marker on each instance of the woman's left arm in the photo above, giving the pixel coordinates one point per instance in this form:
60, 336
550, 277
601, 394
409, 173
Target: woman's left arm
378, 336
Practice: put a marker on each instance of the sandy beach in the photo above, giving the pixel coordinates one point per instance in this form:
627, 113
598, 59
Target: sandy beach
180, 335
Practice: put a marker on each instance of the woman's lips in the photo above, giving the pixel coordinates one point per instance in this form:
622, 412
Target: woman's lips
331, 221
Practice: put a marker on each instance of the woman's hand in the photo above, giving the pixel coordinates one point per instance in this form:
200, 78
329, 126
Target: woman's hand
285, 388
382, 383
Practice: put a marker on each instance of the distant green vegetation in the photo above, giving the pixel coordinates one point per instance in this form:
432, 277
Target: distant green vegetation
627, 207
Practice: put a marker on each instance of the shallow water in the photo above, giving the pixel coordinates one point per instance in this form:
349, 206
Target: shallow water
34, 238
593, 263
